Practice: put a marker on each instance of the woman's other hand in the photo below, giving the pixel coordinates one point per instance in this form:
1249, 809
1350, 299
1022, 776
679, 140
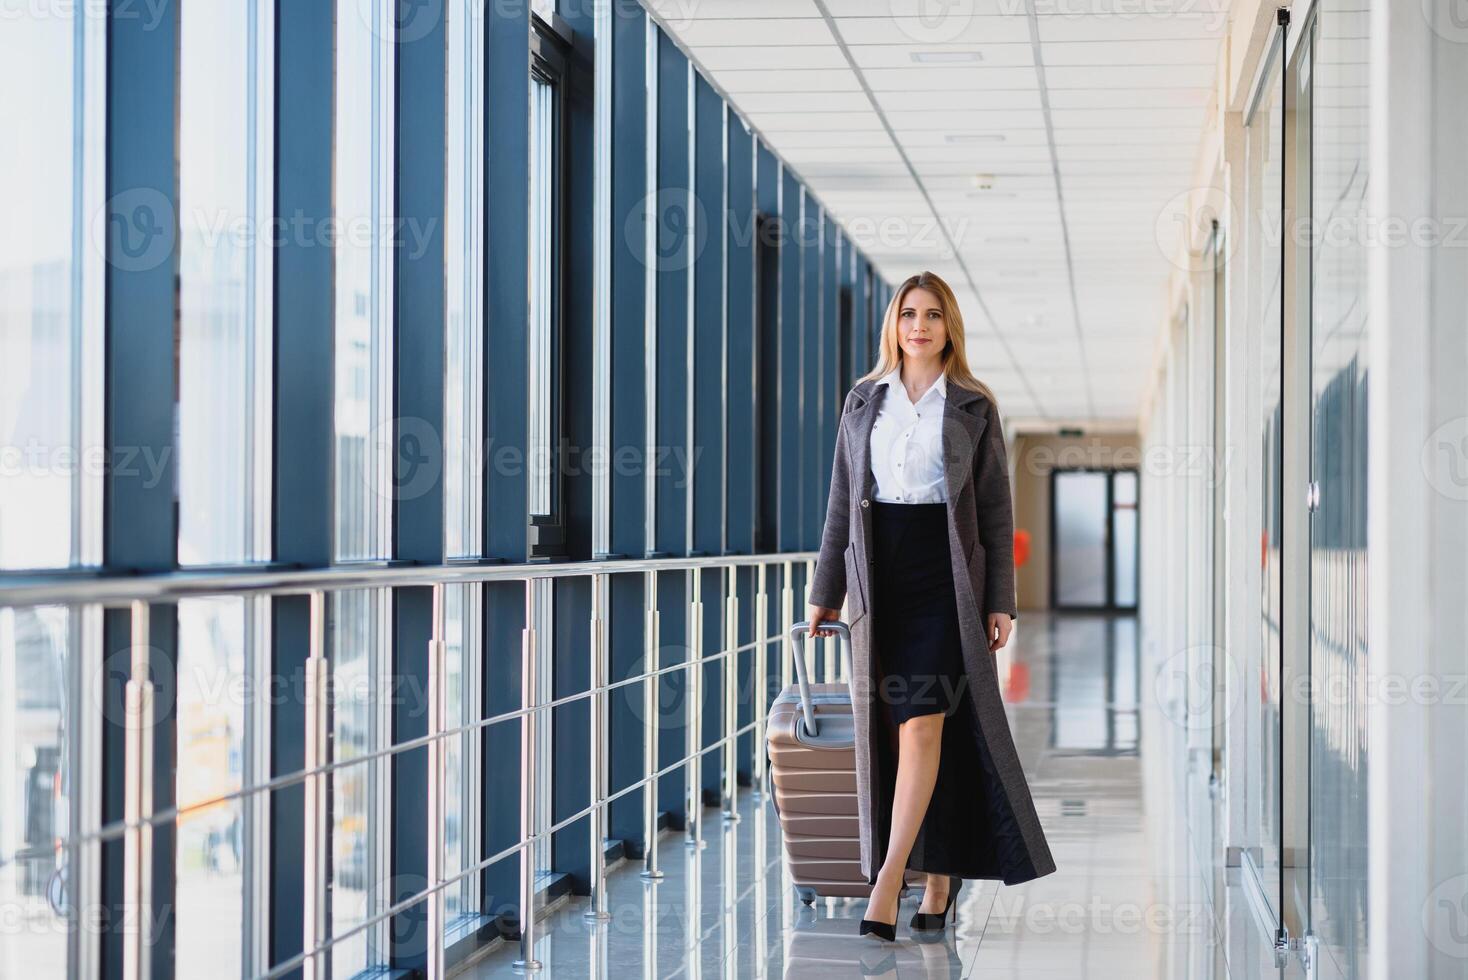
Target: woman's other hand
1000, 626
820, 614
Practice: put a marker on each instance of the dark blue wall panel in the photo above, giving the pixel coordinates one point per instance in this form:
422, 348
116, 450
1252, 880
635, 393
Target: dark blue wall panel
743, 423
571, 729
768, 266
507, 171
507, 100
676, 226
304, 421
140, 532
628, 424
708, 405
813, 355
792, 330
504, 623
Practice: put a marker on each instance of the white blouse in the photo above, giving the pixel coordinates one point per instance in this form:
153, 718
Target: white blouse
907, 444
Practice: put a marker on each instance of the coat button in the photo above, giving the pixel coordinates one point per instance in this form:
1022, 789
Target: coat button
864, 501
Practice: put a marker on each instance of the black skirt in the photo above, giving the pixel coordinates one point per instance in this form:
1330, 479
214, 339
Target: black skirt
919, 649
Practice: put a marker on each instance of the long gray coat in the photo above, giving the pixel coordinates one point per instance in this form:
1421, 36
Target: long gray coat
981, 822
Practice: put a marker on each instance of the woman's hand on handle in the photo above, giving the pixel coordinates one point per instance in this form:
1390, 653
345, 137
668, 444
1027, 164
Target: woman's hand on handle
820, 614
1000, 626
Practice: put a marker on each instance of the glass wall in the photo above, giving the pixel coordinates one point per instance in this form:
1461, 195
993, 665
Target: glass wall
1260, 662
362, 178
236, 715
359, 816
361, 621
224, 339
212, 745
50, 261
1338, 559
36, 787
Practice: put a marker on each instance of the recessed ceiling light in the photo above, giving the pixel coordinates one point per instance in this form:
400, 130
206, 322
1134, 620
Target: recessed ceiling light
975, 137
946, 57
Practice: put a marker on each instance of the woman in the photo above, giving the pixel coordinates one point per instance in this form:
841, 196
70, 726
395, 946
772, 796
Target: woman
919, 540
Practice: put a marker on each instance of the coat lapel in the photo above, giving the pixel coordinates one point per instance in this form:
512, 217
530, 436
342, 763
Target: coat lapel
961, 430
859, 436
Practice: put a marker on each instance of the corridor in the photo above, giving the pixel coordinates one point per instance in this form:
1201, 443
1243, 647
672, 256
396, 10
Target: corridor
424, 427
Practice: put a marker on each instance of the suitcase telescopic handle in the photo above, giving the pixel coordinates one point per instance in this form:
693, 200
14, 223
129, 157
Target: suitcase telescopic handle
807, 708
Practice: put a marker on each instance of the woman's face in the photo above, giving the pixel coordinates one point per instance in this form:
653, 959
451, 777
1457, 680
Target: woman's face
921, 331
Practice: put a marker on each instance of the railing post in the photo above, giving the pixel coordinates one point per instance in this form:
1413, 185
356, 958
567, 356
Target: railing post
693, 769
529, 686
650, 730
436, 753
138, 802
760, 686
314, 927
787, 620
731, 693
597, 908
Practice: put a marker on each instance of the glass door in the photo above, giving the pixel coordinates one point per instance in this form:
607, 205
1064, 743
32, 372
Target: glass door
1259, 772
1093, 539
1295, 468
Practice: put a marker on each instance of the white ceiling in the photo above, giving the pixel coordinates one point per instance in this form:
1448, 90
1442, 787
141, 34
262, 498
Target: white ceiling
1087, 113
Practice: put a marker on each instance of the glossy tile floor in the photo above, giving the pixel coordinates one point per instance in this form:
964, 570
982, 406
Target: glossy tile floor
1136, 892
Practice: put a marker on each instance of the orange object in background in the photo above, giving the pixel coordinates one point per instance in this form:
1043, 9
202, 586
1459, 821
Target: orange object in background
1021, 547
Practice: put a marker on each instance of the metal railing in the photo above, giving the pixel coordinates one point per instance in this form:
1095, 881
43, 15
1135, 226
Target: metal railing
140, 593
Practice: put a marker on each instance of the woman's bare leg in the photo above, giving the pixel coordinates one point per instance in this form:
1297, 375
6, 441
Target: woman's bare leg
918, 742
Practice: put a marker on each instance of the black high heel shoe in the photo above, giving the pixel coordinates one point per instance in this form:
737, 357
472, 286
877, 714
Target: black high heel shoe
885, 931
925, 921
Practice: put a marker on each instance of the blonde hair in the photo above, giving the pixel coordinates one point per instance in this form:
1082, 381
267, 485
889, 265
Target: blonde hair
955, 356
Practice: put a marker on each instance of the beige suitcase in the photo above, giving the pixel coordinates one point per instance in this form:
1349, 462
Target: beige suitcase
812, 764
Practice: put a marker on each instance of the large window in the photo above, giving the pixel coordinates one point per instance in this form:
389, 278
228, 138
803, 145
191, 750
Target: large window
50, 288
547, 270
361, 621
52, 72
463, 449
360, 869
221, 725
224, 343
362, 180
36, 786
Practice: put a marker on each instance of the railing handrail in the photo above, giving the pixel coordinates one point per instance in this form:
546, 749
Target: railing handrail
104, 588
